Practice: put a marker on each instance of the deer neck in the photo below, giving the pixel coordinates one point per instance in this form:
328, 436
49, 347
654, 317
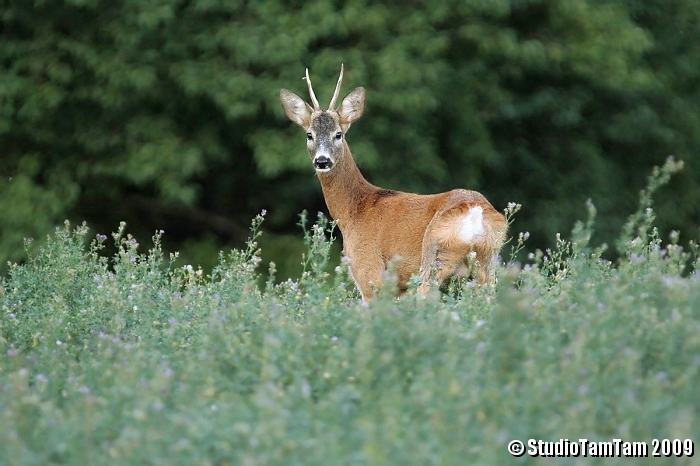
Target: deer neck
344, 187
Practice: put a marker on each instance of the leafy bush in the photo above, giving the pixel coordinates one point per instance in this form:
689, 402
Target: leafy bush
131, 360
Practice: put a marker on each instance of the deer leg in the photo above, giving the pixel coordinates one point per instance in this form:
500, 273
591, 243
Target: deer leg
366, 276
428, 262
484, 273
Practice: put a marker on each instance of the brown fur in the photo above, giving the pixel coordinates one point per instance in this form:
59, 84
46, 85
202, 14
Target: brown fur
378, 224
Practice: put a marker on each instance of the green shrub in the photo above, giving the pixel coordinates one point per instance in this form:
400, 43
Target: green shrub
131, 360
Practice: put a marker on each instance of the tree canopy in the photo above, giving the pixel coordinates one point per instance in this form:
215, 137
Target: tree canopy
165, 113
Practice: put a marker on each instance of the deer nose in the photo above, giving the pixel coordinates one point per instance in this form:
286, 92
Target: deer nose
323, 162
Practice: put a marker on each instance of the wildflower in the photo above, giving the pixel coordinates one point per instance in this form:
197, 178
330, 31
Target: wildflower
636, 258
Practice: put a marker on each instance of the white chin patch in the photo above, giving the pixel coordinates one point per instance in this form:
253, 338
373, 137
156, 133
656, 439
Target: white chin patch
323, 170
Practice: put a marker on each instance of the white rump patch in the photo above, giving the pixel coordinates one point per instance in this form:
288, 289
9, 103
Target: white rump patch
472, 224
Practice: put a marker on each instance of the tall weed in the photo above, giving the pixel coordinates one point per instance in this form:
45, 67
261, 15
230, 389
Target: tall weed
131, 360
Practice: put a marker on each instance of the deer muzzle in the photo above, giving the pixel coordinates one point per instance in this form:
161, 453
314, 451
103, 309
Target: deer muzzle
323, 163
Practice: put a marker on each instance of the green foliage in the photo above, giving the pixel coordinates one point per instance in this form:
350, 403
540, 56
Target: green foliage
133, 360
163, 112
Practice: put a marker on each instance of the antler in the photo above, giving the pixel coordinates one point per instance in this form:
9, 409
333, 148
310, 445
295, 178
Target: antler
337, 89
314, 100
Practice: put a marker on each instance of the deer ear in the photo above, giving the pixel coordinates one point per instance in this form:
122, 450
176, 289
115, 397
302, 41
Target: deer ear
296, 109
351, 107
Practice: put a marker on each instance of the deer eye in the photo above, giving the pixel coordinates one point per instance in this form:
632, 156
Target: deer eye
339, 135
309, 136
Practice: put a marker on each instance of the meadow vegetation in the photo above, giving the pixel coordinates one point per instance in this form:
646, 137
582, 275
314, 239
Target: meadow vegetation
128, 359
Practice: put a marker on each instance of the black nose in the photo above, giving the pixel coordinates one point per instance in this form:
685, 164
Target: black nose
322, 163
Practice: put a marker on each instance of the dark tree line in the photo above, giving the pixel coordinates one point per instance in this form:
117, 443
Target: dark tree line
165, 113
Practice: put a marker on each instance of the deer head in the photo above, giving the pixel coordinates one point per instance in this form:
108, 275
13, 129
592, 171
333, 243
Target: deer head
325, 130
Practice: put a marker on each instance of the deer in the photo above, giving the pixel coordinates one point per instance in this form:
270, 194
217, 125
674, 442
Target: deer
437, 236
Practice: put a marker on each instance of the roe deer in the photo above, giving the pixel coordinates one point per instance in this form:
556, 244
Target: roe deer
457, 232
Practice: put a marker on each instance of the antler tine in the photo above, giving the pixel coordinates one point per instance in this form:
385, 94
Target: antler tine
337, 89
314, 100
